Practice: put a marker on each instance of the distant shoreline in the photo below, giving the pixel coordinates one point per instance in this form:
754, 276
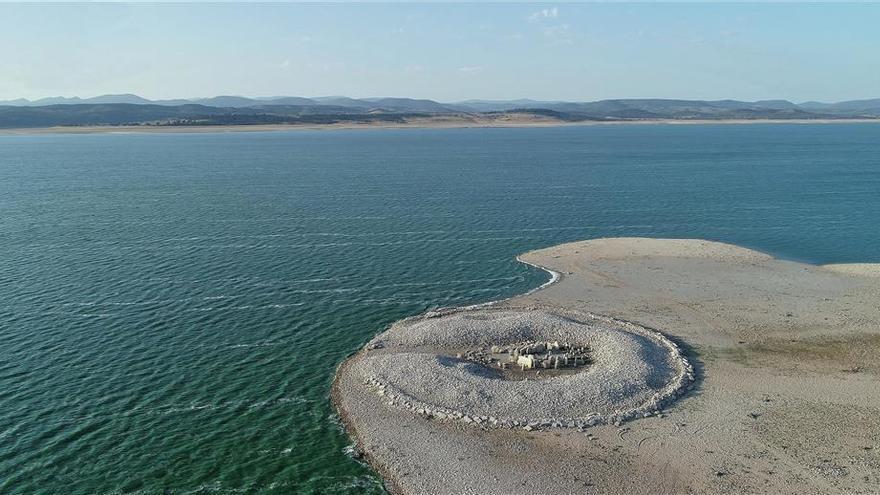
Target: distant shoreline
428, 123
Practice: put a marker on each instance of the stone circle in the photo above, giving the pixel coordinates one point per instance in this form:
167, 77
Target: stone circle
421, 365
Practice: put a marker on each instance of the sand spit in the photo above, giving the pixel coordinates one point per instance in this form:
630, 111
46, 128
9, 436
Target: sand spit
785, 398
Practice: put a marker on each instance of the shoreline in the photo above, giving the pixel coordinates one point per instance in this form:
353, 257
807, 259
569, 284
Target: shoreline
554, 277
361, 420
362, 455
426, 124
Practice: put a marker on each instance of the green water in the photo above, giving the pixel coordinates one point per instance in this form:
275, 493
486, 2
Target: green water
173, 306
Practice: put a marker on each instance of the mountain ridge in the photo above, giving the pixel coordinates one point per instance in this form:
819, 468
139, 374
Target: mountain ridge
870, 106
130, 109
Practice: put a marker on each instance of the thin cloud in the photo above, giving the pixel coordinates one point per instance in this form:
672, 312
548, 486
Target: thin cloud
551, 13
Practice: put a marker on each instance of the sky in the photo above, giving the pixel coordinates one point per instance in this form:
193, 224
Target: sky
446, 52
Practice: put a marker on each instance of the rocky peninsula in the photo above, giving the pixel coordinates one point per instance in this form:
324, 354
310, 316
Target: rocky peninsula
650, 366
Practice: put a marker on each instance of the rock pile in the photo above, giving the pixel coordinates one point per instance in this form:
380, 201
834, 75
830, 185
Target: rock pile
531, 355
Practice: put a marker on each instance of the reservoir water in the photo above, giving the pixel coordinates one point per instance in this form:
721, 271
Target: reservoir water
173, 306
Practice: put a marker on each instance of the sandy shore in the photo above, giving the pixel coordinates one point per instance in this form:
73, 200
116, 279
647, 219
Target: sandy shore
416, 123
785, 399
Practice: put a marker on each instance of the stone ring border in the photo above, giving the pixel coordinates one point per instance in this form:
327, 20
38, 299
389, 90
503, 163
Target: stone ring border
675, 388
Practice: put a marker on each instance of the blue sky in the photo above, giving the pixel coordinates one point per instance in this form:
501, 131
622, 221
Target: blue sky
443, 51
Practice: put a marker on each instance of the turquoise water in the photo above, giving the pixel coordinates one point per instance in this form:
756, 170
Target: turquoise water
173, 306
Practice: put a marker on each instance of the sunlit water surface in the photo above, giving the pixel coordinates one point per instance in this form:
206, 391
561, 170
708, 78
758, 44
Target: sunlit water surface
173, 306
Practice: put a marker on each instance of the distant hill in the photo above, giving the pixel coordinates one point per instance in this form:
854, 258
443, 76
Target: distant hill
666, 108
61, 100
232, 101
126, 98
114, 114
343, 101
227, 101
287, 100
687, 109
870, 108
408, 105
500, 105
128, 109
387, 104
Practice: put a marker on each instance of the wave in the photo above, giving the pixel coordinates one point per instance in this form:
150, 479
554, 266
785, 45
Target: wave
211, 406
554, 277
85, 244
337, 290
257, 344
